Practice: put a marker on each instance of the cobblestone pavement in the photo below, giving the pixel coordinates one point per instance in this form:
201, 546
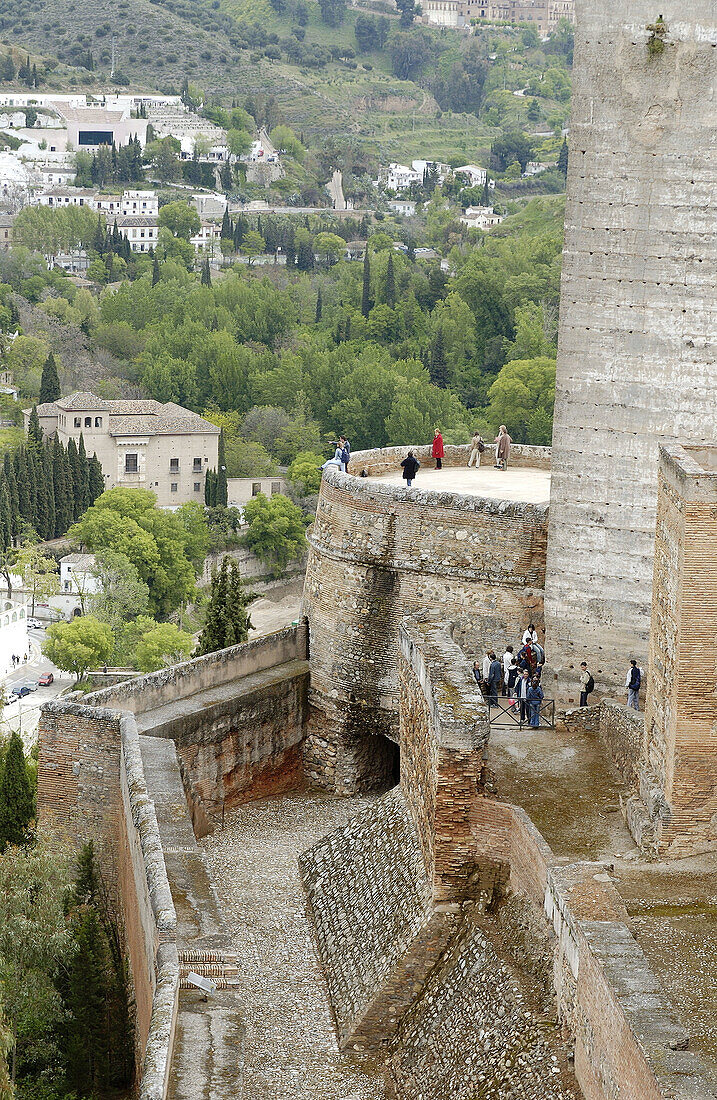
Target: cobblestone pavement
290, 1050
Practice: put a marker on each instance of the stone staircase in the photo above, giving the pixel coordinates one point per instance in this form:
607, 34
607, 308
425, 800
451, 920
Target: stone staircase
219, 966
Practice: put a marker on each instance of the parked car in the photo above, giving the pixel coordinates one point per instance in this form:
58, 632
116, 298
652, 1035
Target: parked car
21, 690
35, 624
45, 679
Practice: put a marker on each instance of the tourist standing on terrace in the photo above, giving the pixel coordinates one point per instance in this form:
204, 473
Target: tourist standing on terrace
502, 448
495, 675
521, 693
345, 453
437, 449
632, 683
411, 466
587, 684
534, 696
508, 662
477, 448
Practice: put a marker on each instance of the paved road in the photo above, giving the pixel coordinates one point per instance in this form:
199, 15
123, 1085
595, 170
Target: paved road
24, 714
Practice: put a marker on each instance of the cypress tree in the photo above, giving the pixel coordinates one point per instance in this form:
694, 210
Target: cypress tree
96, 479
206, 273
437, 367
5, 518
63, 504
390, 283
236, 608
11, 486
49, 483
366, 289
209, 488
221, 483
38, 491
485, 201
34, 431
22, 479
84, 475
17, 808
563, 157
155, 271
226, 231
50, 384
213, 634
75, 479
318, 306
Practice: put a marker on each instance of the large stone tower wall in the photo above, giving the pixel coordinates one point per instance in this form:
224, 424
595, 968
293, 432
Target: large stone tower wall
636, 353
378, 553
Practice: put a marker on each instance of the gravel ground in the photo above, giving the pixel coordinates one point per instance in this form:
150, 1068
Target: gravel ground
290, 1051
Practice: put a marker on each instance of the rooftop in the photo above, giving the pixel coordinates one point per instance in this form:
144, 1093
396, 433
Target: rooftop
526, 484
133, 417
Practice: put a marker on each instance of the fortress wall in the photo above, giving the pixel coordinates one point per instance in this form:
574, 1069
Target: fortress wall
381, 460
379, 553
157, 689
638, 318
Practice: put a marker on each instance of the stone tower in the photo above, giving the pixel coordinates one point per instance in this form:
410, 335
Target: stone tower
638, 326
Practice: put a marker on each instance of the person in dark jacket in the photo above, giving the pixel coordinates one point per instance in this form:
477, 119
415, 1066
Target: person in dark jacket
495, 675
535, 698
411, 465
522, 686
345, 453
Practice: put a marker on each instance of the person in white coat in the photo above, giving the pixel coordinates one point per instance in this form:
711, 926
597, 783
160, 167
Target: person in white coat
507, 664
530, 635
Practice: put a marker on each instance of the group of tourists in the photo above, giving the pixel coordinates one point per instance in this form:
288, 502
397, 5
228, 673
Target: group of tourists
516, 677
502, 442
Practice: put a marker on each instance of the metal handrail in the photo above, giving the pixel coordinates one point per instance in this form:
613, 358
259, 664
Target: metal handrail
546, 715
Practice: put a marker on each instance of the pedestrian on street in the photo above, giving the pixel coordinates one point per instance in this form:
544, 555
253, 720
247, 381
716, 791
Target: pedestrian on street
477, 449
411, 466
507, 662
587, 684
535, 698
502, 448
633, 681
437, 449
521, 694
495, 675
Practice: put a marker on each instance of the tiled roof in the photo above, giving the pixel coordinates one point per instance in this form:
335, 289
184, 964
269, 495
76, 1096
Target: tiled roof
143, 221
81, 402
162, 424
133, 417
79, 559
6, 221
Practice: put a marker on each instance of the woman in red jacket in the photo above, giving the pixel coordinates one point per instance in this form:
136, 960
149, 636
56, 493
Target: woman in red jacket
437, 451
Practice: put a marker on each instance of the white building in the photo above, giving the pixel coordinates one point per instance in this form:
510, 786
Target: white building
481, 217
92, 127
142, 203
142, 233
210, 205
403, 207
13, 634
240, 490
207, 239
399, 177
475, 175
77, 581
69, 196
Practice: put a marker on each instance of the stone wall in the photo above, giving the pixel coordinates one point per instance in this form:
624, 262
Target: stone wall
379, 553
637, 320
380, 460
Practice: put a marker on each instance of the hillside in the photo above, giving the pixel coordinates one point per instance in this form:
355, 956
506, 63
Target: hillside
302, 71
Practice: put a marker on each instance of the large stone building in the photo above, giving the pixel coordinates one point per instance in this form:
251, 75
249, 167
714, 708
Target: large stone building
140, 444
544, 15
638, 318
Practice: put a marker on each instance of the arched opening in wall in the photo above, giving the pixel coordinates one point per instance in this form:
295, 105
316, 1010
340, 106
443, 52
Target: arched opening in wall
393, 762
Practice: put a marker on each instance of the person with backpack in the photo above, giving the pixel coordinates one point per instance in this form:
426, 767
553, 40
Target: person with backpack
477, 449
411, 466
633, 681
587, 684
345, 453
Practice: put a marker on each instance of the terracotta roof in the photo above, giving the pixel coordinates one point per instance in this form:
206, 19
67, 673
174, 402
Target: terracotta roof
133, 417
171, 423
81, 402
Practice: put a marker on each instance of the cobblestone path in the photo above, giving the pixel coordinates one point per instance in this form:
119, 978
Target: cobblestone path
289, 1050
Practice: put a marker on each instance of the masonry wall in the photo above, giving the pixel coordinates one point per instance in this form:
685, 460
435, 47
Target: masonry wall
638, 318
379, 553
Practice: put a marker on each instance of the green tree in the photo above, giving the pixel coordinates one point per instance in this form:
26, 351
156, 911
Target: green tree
227, 621
252, 245
305, 471
522, 396
39, 574
17, 805
180, 218
276, 532
366, 301
285, 140
50, 383
163, 645
122, 594
239, 142
330, 247
79, 645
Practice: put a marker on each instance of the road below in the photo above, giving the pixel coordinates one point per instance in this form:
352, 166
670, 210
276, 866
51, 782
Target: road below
24, 714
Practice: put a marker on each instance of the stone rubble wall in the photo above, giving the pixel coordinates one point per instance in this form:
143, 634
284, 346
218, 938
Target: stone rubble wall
637, 319
381, 460
380, 553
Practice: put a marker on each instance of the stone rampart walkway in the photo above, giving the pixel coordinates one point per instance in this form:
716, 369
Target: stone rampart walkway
288, 1049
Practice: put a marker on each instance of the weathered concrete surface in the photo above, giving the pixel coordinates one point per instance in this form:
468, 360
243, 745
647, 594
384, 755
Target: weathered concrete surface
519, 483
636, 347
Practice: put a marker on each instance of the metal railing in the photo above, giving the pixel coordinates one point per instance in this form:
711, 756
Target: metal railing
505, 714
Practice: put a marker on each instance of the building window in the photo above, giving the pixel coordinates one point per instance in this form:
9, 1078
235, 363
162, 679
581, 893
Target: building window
174, 465
275, 487
174, 486
98, 421
197, 464
88, 421
78, 421
197, 486
255, 488
130, 464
